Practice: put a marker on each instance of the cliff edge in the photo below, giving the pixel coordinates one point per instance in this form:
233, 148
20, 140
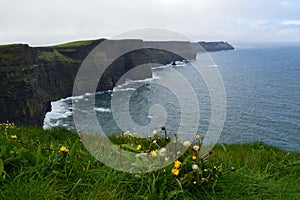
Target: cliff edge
32, 77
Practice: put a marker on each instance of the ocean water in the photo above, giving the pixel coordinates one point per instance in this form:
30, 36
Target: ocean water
262, 84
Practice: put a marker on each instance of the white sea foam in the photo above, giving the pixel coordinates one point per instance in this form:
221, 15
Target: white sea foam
59, 109
162, 67
102, 109
123, 89
131, 85
143, 80
89, 94
74, 98
84, 96
181, 63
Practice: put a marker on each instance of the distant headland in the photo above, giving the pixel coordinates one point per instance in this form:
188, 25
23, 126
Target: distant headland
216, 46
32, 77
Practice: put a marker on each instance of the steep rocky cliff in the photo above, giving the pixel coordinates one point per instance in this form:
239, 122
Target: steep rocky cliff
32, 77
216, 46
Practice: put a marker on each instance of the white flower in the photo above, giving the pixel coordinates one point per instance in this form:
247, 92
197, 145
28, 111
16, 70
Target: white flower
154, 141
162, 152
186, 143
196, 147
127, 133
155, 132
166, 159
197, 136
195, 167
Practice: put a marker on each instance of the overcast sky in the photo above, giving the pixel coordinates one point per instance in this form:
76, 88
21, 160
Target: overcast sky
42, 22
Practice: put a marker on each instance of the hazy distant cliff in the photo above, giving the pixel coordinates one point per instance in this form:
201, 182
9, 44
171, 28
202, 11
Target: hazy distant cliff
32, 77
216, 46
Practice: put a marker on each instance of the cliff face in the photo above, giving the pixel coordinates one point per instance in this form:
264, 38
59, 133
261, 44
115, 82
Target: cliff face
216, 46
32, 77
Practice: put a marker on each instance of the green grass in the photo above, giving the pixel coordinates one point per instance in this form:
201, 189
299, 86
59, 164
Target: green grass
7, 45
9, 57
52, 55
34, 168
74, 44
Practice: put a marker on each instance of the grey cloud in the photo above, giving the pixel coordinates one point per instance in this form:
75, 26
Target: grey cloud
47, 22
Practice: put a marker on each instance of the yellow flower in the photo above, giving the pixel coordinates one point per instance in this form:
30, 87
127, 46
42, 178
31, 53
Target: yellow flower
177, 164
194, 157
139, 147
13, 137
175, 171
63, 149
153, 154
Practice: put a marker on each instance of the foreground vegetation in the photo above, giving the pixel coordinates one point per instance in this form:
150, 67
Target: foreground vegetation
53, 164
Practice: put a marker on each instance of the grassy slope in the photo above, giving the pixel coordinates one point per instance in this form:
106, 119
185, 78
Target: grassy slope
35, 169
75, 43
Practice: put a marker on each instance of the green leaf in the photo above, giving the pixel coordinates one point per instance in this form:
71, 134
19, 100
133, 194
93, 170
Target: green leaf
173, 194
3, 150
1, 167
73, 148
224, 148
38, 155
131, 148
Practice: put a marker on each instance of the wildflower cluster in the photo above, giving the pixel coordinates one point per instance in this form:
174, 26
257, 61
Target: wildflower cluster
22, 148
6, 127
151, 151
190, 167
9, 130
194, 168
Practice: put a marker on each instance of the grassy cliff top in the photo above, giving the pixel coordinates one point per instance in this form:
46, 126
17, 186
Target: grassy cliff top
75, 44
53, 164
